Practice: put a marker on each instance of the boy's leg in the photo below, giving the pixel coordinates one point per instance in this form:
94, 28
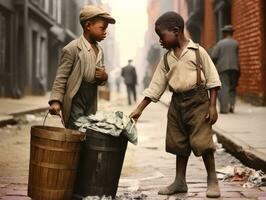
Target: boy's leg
223, 93
179, 185
134, 93
213, 190
234, 75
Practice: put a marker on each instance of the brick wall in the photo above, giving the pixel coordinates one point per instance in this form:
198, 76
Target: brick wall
208, 37
248, 21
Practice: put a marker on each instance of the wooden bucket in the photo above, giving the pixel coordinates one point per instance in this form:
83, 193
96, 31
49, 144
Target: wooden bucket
101, 161
54, 156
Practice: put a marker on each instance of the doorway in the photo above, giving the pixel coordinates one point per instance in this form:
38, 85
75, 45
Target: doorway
223, 16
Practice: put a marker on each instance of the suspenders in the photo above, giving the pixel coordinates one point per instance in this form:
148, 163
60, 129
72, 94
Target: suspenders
198, 64
166, 65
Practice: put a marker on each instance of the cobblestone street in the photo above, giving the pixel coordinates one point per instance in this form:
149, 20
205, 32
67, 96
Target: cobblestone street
146, 168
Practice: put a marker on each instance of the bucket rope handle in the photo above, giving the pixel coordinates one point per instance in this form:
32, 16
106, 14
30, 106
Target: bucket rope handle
62, 121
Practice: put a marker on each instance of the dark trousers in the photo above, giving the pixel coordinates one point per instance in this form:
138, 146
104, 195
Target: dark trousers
131, 89
187, 127
83, 103
227, 93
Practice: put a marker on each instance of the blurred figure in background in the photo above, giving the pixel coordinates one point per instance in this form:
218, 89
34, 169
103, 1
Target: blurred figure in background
146, 80
225, 57
117, 83
130, 78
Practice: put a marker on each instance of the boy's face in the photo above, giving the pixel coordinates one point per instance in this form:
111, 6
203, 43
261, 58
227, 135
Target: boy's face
97, 30
168, 38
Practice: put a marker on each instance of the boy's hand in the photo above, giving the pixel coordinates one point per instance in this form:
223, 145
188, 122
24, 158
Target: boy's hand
212, 116
100, 74
135, 114
138, 111
55, 108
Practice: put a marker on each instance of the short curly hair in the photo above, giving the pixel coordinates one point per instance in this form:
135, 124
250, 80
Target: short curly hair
170, 20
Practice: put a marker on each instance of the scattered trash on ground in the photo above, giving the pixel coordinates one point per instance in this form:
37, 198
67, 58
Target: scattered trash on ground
28, 118
97, 198
250, 177
219, 146
137, 195
32, 118
132, 196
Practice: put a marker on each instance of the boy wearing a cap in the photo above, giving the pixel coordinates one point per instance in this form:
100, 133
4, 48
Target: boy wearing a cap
80, 68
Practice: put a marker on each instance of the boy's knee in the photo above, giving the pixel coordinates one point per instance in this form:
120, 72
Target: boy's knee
200, 150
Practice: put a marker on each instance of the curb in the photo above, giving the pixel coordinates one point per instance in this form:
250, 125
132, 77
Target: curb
29, 111
245, 153
10, 117
6, 119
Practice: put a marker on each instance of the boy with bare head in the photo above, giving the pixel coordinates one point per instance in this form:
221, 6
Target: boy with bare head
189, 73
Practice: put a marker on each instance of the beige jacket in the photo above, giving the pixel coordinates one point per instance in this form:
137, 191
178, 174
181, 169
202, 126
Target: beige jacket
70, 73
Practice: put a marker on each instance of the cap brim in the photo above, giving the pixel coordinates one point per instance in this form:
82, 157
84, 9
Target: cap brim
227, 30
110, 19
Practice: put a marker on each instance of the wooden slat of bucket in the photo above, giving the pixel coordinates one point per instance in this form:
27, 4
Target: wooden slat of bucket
51, 194
48, 151
56, 133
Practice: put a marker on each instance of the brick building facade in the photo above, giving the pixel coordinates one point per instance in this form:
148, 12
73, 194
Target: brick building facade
248, 19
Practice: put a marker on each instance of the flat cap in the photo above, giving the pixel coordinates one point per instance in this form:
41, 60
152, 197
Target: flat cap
228, 28
90, 11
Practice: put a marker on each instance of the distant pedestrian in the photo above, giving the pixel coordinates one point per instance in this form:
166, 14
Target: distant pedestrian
146, 80
117, 83
130, 78
190, 73
225, 57
81, 68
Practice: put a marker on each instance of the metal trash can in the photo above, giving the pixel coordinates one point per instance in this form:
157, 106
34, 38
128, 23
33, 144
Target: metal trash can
100, 165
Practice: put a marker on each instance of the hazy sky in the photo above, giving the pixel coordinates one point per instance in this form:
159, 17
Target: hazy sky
130, 27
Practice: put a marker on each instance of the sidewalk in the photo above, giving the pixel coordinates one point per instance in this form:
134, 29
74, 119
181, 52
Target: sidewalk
10, 108
241, 133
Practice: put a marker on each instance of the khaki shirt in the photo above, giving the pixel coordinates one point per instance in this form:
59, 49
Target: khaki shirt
92, 60
182, 75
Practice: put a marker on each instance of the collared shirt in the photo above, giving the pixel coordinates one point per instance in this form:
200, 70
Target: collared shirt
182, 75
92, 60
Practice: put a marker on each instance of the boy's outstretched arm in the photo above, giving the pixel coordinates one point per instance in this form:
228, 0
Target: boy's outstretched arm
213, 115
138, 111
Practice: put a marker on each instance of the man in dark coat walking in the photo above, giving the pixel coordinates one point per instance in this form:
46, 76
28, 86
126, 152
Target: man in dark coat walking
225, 57
130, 78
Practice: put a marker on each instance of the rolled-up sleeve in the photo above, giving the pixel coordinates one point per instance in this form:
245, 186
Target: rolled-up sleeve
209, 70
158, 83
